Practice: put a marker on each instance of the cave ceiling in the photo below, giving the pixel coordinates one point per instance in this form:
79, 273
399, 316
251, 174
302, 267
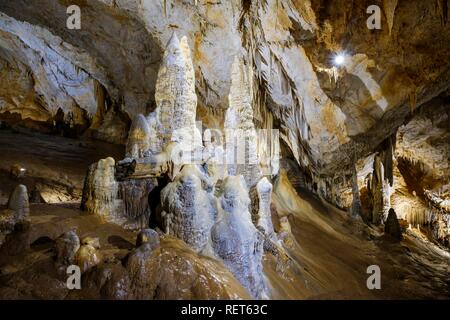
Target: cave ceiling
327, 115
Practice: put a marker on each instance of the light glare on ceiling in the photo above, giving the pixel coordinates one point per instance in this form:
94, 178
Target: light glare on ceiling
339, 59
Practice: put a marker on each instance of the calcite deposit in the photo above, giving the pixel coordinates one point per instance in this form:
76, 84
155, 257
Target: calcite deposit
189, 208
224, 149
208, 213
236, 240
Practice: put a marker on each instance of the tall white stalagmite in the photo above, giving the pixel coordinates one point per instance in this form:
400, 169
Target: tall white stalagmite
240, 133
380, 192
175, 97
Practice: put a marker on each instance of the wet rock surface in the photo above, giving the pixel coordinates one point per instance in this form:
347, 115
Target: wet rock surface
148, 237
66, 248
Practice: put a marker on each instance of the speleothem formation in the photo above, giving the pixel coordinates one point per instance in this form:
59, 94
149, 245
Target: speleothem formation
227, 150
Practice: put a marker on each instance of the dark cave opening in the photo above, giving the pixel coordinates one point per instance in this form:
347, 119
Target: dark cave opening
155, 203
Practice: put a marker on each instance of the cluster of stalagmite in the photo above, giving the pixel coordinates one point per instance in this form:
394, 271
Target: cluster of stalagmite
386, 202
174, 119
206, 202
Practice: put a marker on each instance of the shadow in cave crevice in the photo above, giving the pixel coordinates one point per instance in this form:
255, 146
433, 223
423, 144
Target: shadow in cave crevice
154, 201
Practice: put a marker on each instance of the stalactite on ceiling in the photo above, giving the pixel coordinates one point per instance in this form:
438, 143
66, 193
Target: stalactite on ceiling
413, 99
100, 97
356, 200
388, 158
442, 8
165, 7
267, 67
389, 11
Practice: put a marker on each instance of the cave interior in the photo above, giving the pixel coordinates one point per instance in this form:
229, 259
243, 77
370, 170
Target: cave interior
236, 149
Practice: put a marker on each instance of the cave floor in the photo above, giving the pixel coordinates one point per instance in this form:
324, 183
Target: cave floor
56, 163
328, 251
334, 251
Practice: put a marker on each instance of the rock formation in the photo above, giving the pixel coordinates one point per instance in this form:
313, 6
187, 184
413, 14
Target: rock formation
392, 227
189, 208
139, 137
66, 247
87, 257
176, 99
134, 196
240, 132
101, 189
380, 192
236, 240
122, 202
261, 199
18, 203
148, 237
356, 209
18, 210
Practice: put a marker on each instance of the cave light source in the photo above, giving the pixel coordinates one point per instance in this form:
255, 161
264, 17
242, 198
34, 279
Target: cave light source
339, 59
